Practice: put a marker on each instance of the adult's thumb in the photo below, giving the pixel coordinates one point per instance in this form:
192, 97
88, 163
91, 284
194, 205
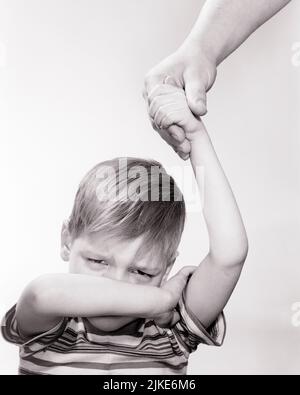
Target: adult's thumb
196, 97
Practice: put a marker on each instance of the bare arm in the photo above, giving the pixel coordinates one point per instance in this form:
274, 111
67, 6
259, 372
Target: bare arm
50, 297
223, 25
213, 282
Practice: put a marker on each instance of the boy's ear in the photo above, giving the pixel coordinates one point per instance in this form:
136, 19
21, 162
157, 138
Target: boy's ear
65, 241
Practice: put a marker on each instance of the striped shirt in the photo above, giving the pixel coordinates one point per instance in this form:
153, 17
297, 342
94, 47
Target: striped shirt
75, 346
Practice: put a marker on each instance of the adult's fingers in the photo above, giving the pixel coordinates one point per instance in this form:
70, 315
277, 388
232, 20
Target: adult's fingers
166, 96
183, 149
151, 81
174, 136
183, 146
167, 137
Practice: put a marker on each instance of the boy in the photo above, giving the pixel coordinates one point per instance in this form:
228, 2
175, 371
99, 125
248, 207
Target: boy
115, 313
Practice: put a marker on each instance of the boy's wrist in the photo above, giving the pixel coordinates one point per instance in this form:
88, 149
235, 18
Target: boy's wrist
199, 133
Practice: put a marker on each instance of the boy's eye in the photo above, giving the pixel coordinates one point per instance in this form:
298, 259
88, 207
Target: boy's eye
97, 261
139, 272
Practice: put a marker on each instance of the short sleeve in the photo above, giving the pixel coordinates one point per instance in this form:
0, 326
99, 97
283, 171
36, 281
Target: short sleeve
190, 332
29, 346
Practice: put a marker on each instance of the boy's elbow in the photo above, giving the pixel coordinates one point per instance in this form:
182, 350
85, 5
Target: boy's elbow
239, 252
244, 249
232, 257
241, 255
38, 295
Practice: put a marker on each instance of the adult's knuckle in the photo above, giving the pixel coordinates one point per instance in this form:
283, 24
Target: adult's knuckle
166, 121
155, 102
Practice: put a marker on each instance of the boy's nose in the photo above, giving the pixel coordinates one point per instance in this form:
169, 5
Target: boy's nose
113, 274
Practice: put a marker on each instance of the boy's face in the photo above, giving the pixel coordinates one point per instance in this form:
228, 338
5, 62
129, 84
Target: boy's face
97, 255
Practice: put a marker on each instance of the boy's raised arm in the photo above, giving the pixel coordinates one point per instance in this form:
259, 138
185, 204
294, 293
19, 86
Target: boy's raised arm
213, 282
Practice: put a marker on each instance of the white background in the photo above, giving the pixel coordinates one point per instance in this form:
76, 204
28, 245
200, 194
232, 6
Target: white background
71, 75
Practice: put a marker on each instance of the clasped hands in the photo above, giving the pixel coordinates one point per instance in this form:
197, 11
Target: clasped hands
175, 95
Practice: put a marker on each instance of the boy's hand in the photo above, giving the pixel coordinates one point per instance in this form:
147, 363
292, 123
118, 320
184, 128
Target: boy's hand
174, 286
171, 117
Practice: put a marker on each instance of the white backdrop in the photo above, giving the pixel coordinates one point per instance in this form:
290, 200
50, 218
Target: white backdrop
71, 75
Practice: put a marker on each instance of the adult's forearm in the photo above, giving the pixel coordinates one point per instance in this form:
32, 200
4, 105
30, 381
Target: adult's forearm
89, 296
223, 25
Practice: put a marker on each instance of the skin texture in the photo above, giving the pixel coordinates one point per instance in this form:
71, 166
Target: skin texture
211, 285
95, 289
222, 26
106, 284
109, 286
113, 259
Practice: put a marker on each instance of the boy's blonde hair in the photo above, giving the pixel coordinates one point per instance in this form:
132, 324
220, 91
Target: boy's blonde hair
128, 197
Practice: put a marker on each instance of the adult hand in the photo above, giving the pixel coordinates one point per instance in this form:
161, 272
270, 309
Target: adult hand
191, 69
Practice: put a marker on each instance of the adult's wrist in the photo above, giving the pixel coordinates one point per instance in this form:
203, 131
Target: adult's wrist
200, 51
200, 57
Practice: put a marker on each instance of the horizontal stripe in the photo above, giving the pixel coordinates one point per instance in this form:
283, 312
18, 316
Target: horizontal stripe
103, 366
108, 357
75, 346
147, 340
163, 351
62, 370
71, 336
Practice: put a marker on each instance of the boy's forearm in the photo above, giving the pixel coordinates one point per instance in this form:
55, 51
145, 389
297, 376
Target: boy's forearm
228, 239
74, 295
223, 25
